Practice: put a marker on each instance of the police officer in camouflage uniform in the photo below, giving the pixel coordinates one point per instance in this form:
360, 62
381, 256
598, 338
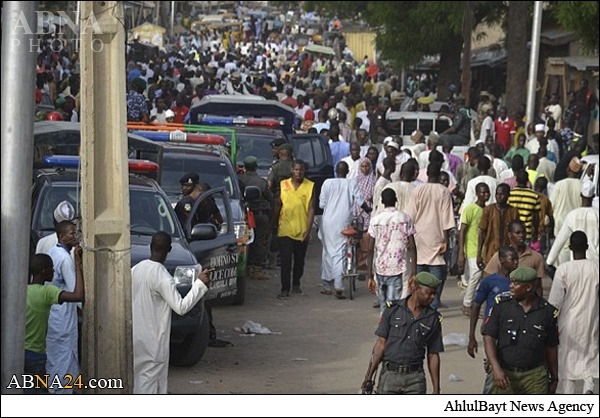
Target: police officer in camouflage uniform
408, 329
521, 339
261, 208
280, 170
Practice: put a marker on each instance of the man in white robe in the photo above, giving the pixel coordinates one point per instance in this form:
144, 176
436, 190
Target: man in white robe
62, 335
575, 293
584, 218
154, 295
337, 197
565, 194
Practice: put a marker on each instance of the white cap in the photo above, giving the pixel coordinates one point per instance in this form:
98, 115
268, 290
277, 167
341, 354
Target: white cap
64, 212
587, 188
393, 144
387, 140
169, 113
540, 127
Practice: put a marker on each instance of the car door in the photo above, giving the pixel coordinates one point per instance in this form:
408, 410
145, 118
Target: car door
314, 150
220, 253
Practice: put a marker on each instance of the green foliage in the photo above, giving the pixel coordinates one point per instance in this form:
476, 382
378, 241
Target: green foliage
580, 17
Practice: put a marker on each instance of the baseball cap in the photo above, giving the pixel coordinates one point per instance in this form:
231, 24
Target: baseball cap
64, 212
190, 178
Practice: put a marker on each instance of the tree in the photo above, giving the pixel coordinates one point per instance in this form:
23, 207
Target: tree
517, 64
580, 17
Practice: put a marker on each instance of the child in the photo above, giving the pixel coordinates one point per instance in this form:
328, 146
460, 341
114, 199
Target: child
40, 298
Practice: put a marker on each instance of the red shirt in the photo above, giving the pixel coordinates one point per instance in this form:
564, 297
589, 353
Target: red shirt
504, 130
180, 113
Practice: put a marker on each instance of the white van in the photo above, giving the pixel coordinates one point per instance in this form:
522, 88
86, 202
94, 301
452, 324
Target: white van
405, 123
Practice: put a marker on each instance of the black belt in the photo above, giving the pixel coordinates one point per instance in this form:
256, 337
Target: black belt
399, 368
521, 369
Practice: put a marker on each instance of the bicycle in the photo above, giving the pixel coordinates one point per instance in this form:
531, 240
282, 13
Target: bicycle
353, 234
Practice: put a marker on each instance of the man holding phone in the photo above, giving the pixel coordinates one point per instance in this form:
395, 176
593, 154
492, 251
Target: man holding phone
154, 296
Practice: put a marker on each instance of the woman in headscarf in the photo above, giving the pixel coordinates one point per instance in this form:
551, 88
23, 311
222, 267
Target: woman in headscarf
366, 184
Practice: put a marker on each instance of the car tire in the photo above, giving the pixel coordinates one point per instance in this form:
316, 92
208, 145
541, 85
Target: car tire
193, 347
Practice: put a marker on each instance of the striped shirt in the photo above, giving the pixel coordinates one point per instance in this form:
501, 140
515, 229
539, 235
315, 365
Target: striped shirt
528, 203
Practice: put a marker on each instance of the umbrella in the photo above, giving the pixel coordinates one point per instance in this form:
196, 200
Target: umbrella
319, 49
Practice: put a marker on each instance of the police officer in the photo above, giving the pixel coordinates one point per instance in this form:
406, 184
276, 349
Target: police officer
521, 339
261, 208
275, 144
408, 329
281, 170
189, 183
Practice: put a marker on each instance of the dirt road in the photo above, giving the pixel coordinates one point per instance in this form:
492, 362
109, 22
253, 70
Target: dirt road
322, 345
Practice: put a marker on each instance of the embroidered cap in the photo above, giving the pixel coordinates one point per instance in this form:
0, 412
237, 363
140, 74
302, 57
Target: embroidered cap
64, 212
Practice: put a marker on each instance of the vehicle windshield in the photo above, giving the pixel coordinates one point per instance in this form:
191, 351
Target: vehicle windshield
257, 146
149, 211
213, 171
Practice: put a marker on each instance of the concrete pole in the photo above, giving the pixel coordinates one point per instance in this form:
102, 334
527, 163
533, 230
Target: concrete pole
19, 51
107, 342
533, 60
172, 19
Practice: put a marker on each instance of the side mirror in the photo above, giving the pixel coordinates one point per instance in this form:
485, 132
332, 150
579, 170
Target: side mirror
251, 193
204, 232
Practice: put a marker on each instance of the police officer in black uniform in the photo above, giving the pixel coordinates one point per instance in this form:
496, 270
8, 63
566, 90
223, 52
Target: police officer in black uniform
183, 208
261, 208
521, 339
408, 329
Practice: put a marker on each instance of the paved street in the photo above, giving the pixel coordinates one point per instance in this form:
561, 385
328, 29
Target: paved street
324, 345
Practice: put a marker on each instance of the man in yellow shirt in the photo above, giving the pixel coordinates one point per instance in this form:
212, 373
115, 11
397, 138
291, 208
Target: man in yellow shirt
294, 214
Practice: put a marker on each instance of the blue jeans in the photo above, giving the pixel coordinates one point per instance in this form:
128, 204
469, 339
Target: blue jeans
35, 364
388, 288
441, 272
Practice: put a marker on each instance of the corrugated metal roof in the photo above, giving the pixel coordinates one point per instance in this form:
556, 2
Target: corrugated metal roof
582, 63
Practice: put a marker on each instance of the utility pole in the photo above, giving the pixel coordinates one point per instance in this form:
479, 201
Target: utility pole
533, 60
107, 335
466, 58
19, 50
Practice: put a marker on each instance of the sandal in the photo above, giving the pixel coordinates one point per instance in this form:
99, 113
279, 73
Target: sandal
326, 292
340, 295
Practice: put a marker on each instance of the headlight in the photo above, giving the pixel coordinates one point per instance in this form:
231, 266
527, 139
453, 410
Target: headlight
186, 274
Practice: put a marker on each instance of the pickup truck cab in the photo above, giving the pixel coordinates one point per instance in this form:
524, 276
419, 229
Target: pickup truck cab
150, 212
257, 122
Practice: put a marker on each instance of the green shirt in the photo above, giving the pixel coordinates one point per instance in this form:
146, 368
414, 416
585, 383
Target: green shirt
471, 217
40, 299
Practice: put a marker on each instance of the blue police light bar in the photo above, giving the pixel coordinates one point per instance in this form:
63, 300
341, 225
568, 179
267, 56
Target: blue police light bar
72, 161
62, 161
217, 120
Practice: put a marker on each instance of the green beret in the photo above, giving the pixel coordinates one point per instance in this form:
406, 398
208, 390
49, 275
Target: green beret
250, 162
524, 275
286, 147
427, 279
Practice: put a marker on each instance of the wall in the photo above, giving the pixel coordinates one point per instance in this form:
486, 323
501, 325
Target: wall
361, 44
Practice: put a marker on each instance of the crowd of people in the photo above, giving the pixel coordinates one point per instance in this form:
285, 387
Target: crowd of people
518, 209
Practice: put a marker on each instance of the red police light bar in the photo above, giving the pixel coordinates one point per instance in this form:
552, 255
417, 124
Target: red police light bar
72, 161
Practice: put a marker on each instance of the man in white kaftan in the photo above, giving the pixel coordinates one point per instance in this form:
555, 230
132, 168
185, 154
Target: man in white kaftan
154, 296
62, 335
575, 293
585, 218
337, 197
565, 198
